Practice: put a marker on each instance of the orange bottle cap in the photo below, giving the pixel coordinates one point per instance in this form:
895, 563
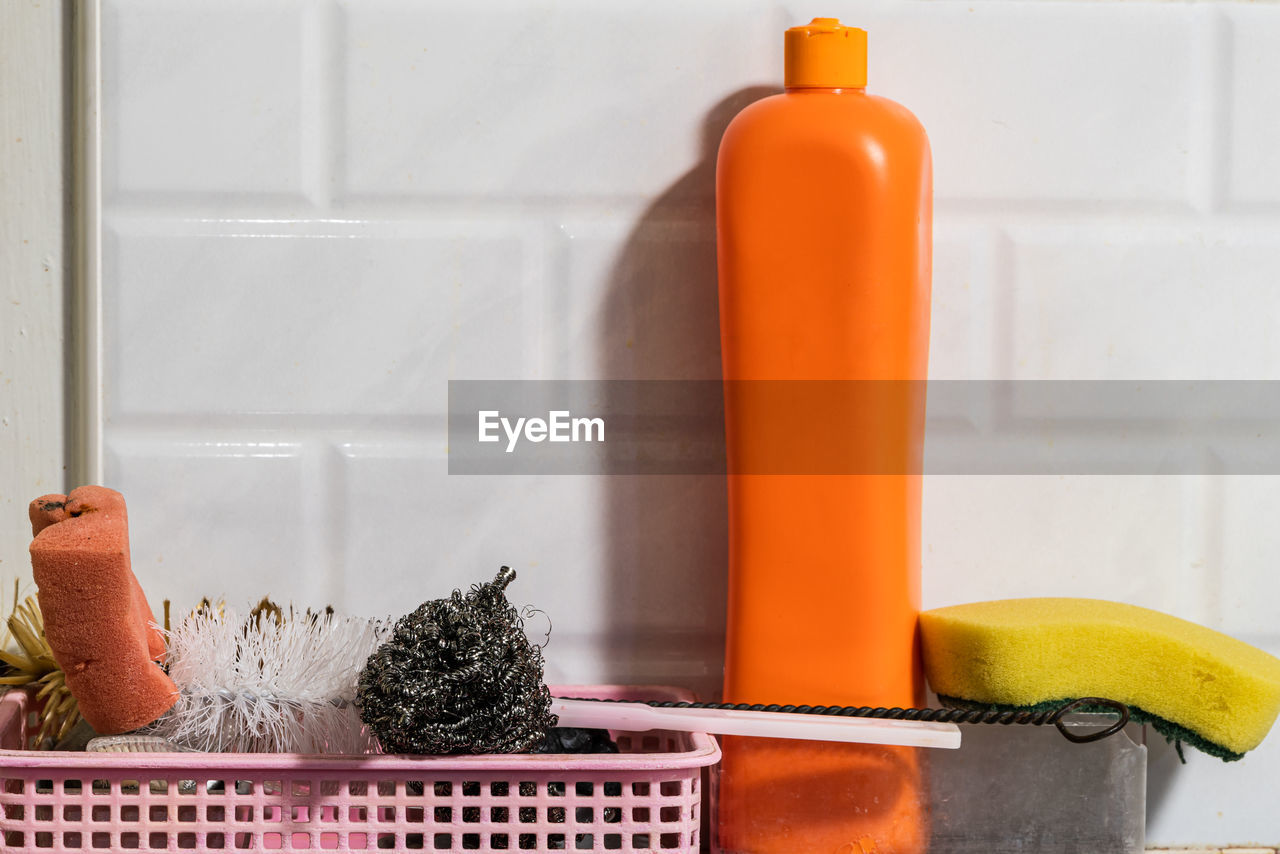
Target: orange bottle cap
824, 54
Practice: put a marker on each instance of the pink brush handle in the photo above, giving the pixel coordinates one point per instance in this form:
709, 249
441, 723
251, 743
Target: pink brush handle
638, 717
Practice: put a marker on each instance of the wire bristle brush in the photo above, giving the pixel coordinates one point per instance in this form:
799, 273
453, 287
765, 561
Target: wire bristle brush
277, 682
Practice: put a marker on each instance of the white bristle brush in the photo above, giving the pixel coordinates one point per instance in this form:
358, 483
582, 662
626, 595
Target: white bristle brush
275, 683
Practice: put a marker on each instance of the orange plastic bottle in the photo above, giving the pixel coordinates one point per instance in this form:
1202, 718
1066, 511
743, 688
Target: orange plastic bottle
824, 207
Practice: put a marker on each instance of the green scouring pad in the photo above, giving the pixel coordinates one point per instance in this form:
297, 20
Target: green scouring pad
1190, 683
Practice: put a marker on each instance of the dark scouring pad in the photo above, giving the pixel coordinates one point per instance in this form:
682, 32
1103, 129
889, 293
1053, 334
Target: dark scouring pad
458, 675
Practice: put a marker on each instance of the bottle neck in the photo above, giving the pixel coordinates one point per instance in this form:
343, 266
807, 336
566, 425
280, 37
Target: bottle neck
818, 90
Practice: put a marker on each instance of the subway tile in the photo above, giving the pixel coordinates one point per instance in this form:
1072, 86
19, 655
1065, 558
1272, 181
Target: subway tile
635, 300
315, 317
616, 558
1250, 542
1131, 301
1253, 154
1043, 102
554, 100
961, 308
203, 97
215, 516
1097, 537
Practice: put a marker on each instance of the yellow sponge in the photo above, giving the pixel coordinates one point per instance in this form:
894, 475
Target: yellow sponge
1191, 683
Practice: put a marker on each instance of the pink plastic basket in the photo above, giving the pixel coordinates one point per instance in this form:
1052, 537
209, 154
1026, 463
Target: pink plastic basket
646, 797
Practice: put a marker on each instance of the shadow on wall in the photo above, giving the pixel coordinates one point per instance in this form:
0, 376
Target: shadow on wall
667, 535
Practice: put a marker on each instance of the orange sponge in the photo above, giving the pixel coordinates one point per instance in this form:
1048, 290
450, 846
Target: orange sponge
96, 617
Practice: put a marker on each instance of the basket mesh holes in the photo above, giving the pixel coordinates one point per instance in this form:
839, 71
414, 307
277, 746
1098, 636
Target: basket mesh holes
44, 840
499, 842
357, 841
216, 814
158, 813
44, 812
613, 790
443, 788
129, 840
555, 815
499, 789
528, 789
272, 813
329, 840
330, 788
556, 789
244, 787
414, 815
640, 814
641, 789
188, 813
357, 814
329, 812
302, 788
272, 841
612, 841
669, 840
584, 815
499, 815
272, 787
101, 812
442, 842
414, 840
649, 744
386, 788
130, 787
70, 840
186, 840
71, 813
158, 840
584, 789
129, 813
443, 815
471, 814
555, 841
297, 813
670, 788
188, 787
156, 787
528, 815
528, 842
243, 840
669, 814
244, 813
471, 841
585, 841
640, 840
612, 815
470, 789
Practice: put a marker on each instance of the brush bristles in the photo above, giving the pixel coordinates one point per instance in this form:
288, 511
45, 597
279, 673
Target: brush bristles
268, 686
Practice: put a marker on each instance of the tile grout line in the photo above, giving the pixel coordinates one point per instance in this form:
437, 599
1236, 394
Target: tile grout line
1210, 99
319, 129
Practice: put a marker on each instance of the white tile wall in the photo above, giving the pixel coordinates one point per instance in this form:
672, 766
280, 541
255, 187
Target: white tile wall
318, 213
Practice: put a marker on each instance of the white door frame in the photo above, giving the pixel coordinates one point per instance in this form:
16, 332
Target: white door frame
50, 306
